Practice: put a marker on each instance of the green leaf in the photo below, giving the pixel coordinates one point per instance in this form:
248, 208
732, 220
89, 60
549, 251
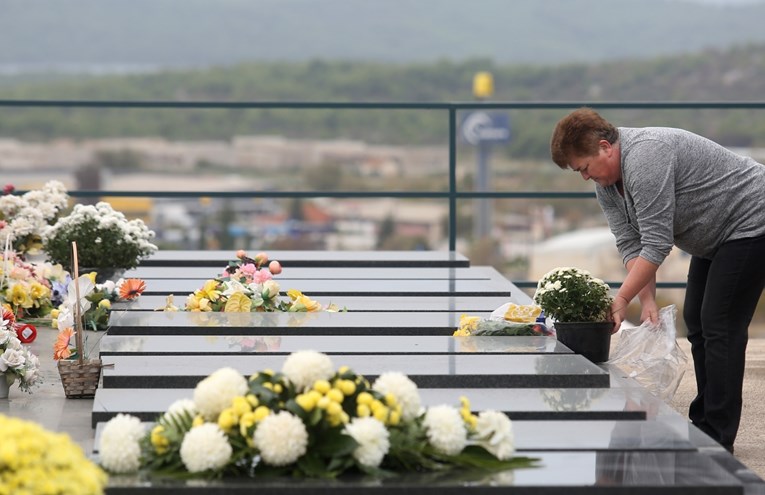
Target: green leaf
311, 464
336, 444
314, 417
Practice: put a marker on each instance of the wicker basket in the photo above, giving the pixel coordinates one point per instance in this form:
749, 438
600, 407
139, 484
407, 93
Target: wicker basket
79, 377
80, 381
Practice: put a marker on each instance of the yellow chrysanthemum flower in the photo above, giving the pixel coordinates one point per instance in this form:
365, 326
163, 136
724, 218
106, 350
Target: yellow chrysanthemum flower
158, 439
261, 412
468, 325
227, 419
241, 406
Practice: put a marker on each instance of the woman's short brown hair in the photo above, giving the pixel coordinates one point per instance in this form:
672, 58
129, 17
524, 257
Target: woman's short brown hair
578, 134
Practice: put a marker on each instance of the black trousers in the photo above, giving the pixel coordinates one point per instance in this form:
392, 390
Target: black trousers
720, 300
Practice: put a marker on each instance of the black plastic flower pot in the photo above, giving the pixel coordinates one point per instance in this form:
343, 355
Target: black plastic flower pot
590, 339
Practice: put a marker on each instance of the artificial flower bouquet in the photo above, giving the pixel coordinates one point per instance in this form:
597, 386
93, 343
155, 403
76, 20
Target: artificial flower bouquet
24, 219
310, 421
508, 319
30, 290
36, 460
247, 285
105, 238
95, 301
16, 361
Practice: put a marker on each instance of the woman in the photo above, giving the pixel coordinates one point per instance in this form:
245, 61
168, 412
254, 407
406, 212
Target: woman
661, 187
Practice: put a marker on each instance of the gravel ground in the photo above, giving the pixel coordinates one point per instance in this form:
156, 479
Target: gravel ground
750, 443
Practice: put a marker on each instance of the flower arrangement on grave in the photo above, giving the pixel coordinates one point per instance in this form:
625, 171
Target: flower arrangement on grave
106, 238
24, 218
309, 420
508, 319
568, 294
36, 460
30, 290
95, 302
16, 360
580, 304
247, 285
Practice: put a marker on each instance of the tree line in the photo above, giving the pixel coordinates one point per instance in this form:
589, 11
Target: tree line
732, 75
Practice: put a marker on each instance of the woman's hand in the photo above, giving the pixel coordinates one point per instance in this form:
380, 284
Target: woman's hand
650, 311
618, 311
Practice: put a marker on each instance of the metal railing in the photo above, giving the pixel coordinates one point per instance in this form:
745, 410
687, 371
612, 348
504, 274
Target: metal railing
450, 108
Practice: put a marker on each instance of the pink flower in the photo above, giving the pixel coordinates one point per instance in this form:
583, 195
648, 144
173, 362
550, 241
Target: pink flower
8, 189
248, 270
261, 276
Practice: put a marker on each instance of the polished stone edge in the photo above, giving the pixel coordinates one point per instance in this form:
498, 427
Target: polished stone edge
518, 404
148, 416
476, 381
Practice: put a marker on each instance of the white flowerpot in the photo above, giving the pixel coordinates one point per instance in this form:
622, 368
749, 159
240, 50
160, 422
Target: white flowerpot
5, 387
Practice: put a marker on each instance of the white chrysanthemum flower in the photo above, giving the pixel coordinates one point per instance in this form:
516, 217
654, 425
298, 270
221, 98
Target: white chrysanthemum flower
445, 429
373, 440
215, 393
119, 450
180, 407
281, 439
205, 448
303, 368
404, 389
495, 433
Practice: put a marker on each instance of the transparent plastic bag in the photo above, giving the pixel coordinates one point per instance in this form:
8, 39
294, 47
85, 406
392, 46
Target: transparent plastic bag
650, 354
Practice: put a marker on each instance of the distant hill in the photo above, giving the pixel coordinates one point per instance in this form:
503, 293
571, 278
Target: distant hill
736, 74
136, 35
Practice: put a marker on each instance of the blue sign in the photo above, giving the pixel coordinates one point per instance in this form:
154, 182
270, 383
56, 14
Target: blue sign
485, 127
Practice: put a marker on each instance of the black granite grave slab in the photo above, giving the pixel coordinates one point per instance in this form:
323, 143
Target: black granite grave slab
433, 371
167, 257
279, 323
546, 404
566, 473
326, 288
458, 304
164, 345
326, 273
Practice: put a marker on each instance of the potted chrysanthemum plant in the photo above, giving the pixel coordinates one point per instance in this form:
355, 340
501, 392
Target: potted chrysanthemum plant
107, 240
580, 306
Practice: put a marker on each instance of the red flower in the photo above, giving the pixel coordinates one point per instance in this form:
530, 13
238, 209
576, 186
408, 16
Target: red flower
9, 316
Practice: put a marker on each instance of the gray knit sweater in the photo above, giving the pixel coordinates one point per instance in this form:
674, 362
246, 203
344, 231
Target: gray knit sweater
681, 189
